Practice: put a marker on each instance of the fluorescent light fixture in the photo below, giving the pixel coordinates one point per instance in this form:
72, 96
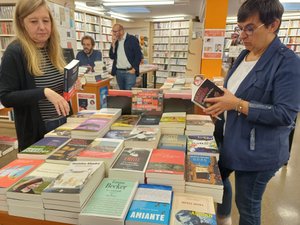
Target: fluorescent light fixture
169, 16
118, 14
121, 18
168, 19
136, 2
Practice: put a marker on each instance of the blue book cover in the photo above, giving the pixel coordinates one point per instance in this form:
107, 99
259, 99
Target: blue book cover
151, 204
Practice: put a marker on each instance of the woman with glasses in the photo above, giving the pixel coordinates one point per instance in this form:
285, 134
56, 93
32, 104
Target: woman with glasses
261, 101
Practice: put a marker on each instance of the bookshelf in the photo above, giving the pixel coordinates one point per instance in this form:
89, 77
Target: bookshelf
170, 48
96, 26
6, 27
289, 34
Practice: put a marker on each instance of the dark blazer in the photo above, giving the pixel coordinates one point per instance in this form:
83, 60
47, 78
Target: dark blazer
132, 51
18, 90
260, 141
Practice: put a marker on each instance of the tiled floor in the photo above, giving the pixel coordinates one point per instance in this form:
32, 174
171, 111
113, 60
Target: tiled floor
281, 201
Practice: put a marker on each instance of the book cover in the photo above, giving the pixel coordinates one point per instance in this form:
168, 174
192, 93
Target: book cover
16, 170
202, 144
172, 141
203, 170
132, 159
147, 120
102, 148
70, 78
74, 177
117, 134
192, 209
5, 149
37, 180
151, 204
147, 100
43, 147
143, 136
69, 150
207, 89
91, 125
110, 201
164, 161
125, 122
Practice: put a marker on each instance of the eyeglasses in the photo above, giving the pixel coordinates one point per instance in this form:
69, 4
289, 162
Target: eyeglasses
249, 29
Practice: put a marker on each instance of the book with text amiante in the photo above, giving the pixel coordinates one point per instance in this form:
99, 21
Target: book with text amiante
70, 78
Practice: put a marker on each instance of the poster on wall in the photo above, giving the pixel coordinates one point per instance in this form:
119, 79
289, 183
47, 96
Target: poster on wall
86, 101
64, 21
103, 96
213, 43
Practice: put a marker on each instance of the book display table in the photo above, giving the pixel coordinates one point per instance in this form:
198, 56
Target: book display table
6, 219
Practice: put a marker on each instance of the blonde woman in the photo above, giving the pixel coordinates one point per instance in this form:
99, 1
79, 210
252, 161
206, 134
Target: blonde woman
31, 73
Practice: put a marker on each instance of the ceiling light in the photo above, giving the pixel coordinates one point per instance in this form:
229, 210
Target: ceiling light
118, 14
169, 16
136, 2
121, 18
168, 19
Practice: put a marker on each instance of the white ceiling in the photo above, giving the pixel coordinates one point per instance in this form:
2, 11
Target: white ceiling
187, 7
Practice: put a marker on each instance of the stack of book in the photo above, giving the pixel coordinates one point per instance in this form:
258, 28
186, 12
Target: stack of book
173, 123
202, 145
149, 120
203, 176
125, 122
192, 209
65, 129
199, 124
67, 153
131, 164
102, 149
167, 167
151, 205
91, 128
24, 198
173, 141
66, 196
8, 150
143, 137
107, 113
110, 203
12, 173
43, 148
117, 134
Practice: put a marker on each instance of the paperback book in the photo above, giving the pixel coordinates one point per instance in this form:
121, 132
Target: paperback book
110, 203
151, 205
206, 89
43, 148
70, 78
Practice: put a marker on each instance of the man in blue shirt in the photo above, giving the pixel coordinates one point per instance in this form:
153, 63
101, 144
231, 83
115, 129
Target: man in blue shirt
88, 55
126, 52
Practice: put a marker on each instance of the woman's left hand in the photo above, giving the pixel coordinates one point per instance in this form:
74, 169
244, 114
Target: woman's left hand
220, 104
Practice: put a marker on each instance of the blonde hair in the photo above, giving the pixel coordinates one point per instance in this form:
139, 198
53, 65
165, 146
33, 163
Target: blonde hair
31, 51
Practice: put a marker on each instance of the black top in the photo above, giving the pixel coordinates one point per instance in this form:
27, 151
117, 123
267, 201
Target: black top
18, 90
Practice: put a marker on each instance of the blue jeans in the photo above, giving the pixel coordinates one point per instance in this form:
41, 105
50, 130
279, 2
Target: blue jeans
53, 124
249, 189
125, 79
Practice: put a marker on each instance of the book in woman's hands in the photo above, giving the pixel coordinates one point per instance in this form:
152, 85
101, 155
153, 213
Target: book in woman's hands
70, 78
207, 89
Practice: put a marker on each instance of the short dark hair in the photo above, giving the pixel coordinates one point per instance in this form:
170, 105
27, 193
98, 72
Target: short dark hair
267, 10
87, 37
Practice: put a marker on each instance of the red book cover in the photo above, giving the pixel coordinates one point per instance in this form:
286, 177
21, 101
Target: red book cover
16, 170
166, 161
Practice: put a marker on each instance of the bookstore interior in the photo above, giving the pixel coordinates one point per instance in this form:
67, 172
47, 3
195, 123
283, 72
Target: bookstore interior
140, 156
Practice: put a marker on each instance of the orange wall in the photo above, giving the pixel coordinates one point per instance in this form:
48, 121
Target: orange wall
215, 18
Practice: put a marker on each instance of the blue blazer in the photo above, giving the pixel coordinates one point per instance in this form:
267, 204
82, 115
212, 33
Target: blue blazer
132, 51
260, 140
